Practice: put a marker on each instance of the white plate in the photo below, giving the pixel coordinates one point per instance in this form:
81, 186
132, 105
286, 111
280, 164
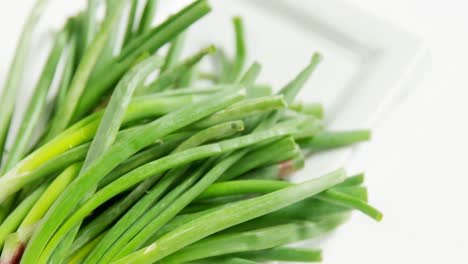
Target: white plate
368, 64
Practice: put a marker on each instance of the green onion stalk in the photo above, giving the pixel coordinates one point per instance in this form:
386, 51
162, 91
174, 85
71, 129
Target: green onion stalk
150, 156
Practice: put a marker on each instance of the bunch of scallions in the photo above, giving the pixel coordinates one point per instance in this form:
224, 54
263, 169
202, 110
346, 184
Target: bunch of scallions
145, 158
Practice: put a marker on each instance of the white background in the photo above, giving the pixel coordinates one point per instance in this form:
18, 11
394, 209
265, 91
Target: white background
417, 162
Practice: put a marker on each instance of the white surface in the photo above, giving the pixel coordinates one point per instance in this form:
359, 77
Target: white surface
416, 165
366, 66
